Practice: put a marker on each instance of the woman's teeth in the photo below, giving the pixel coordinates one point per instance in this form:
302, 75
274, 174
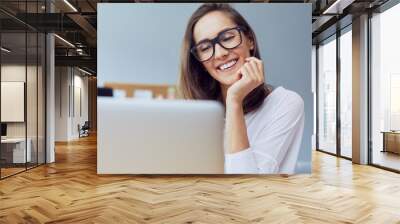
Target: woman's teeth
227, 65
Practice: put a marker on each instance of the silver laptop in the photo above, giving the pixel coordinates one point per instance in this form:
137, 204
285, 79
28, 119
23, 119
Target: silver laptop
159, 137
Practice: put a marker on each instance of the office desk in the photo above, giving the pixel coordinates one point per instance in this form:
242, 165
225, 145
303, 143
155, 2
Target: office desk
391, 141
17, 150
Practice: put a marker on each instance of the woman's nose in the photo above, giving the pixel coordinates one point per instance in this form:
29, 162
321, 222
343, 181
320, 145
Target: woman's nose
220, 52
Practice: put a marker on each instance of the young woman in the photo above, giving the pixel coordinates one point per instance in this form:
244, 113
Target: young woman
220, 60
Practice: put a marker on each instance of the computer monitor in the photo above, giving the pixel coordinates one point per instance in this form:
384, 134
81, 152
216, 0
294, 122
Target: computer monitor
3, 129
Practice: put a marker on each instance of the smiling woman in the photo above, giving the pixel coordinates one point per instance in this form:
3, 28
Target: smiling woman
220, 60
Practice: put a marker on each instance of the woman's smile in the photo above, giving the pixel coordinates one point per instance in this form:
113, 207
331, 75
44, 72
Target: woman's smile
227, 65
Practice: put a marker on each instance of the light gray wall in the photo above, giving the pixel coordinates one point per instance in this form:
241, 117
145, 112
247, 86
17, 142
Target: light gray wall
66, 121
140, 43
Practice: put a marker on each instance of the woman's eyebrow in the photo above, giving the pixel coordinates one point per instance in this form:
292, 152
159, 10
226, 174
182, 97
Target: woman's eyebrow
228, 28
219, 33
202, 41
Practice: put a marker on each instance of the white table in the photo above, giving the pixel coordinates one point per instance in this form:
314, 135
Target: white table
19, 149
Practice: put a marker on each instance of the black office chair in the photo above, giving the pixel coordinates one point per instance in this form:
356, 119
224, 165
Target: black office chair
104, 91
84, 130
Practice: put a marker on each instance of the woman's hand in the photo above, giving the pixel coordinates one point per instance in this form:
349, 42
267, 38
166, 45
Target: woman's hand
250, 76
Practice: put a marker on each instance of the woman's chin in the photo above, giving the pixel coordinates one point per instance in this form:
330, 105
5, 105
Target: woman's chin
228, 81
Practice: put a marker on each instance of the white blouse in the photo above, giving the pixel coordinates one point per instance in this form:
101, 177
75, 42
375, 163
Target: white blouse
275, 131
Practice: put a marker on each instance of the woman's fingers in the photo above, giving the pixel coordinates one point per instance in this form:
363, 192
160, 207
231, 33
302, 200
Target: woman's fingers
246, 72
257, 73
255, 65
251, 70
259, 63
254, 59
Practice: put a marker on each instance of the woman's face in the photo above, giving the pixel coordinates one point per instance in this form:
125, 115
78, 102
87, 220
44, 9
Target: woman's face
225, 63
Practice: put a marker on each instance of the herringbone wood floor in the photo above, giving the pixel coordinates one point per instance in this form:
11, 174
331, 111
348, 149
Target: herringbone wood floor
69, 191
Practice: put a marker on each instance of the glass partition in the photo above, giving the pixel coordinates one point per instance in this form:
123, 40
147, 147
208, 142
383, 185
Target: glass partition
346, 92
31, 100
327, 95
22, 78
14, 152
41, 107
385, 89
33, 72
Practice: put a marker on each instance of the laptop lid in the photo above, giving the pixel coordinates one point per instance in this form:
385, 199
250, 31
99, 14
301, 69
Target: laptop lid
160, 137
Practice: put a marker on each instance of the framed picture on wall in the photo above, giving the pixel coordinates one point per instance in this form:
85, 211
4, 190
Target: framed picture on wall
12, 101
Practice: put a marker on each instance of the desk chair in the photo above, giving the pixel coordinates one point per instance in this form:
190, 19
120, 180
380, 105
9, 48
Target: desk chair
84, 130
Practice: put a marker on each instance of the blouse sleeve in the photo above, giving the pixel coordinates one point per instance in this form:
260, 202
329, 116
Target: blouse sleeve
272, 143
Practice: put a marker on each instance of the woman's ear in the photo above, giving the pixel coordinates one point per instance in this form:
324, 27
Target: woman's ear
251, 43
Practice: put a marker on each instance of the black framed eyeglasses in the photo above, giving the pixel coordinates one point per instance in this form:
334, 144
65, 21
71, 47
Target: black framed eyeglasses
228, 39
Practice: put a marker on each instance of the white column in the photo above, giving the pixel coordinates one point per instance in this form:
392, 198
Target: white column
50, 92
360, 90
50, 100
314, 93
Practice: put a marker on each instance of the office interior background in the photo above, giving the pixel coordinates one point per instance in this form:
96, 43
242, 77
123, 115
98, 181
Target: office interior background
49, 85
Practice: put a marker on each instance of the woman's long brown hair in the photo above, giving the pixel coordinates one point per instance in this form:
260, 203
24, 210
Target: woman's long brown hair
195, 82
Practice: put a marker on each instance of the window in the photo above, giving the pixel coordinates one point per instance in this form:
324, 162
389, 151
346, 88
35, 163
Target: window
327, 95
346, 75
385, 89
